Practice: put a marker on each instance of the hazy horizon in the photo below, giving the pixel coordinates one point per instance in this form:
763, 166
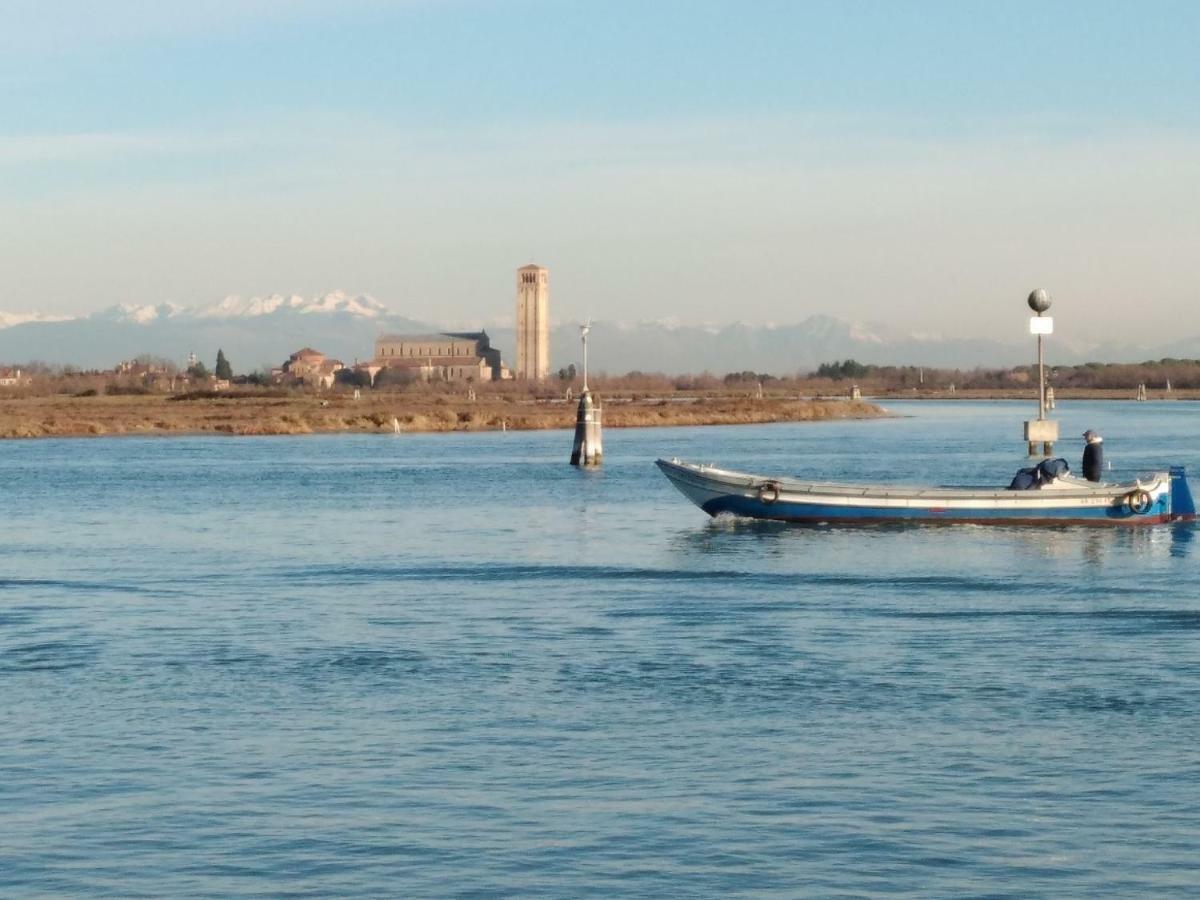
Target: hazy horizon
921, 168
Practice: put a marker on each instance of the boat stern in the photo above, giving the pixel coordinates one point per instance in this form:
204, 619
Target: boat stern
1183, 506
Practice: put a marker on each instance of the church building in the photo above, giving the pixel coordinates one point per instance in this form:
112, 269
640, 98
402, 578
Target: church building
447, 356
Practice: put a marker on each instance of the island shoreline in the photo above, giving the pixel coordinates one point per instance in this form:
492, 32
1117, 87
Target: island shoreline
262, 416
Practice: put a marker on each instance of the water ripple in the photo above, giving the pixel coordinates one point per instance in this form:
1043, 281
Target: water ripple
48, 656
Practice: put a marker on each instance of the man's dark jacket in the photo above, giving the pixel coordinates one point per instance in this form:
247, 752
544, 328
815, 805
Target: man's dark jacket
1093, 460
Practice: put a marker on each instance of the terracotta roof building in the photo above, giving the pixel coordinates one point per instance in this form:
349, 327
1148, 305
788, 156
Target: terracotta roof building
311, 367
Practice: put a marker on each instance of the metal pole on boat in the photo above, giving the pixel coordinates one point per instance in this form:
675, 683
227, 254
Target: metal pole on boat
1041, 430
1041, 380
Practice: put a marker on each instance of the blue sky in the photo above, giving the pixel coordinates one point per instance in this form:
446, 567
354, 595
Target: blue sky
922, 165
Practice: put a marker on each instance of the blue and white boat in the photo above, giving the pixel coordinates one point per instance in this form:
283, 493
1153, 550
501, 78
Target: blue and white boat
1065, 500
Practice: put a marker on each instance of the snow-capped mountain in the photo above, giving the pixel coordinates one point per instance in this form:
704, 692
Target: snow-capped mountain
234, 306
137, 315
673, 347
8, 320
254, 331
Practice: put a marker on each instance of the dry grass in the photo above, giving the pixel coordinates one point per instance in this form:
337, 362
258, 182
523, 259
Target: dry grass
27, 417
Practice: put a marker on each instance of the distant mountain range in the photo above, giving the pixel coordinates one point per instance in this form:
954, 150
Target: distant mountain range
255, 332
262, 331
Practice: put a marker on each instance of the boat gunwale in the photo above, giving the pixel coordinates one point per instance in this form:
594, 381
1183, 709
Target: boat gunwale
1156, 483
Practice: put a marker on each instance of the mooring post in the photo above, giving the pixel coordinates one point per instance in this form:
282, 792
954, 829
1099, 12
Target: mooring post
587, 449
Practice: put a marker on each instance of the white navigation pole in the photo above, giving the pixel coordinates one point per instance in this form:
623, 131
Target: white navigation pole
1041, 430
587, 450
583, 333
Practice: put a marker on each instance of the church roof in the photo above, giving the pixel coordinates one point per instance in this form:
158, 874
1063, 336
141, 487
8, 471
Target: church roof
440, 337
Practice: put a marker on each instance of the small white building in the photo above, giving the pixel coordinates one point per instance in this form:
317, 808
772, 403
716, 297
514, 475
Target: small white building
10, 377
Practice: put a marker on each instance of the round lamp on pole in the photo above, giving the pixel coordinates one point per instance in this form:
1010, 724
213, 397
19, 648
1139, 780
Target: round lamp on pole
1039, 300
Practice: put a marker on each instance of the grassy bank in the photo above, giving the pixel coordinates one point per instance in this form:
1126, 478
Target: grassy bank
266, 413
1060, 394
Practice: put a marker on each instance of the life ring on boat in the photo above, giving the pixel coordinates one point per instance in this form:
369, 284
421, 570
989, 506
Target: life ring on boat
768, 492
1139, 502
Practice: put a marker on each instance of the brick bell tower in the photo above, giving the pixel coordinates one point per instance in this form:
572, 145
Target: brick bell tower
533, 322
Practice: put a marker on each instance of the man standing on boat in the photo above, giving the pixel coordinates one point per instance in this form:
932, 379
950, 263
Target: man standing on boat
1093, 455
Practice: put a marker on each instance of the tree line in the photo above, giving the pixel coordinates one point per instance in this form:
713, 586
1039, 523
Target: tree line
828, 377
1157, 374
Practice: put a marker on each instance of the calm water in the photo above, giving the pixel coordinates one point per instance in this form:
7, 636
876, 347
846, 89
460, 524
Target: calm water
452, 665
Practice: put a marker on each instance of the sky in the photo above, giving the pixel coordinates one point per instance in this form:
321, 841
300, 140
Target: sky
919, 166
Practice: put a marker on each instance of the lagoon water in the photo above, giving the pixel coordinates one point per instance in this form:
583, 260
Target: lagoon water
447, 665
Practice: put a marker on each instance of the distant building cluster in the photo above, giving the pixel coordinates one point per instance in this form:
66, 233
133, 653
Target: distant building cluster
451, 356
444, 356
152, 374
10, 377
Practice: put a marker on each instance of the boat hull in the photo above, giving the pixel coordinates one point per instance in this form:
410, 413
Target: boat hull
717, 491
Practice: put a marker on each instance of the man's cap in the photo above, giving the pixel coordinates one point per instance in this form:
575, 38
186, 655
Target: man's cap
1089, 434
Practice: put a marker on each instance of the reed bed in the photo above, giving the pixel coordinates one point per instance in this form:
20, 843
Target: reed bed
67, 416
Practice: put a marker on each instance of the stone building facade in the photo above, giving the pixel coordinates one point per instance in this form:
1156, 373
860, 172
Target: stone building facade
533, 322
311, 367
448, 356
